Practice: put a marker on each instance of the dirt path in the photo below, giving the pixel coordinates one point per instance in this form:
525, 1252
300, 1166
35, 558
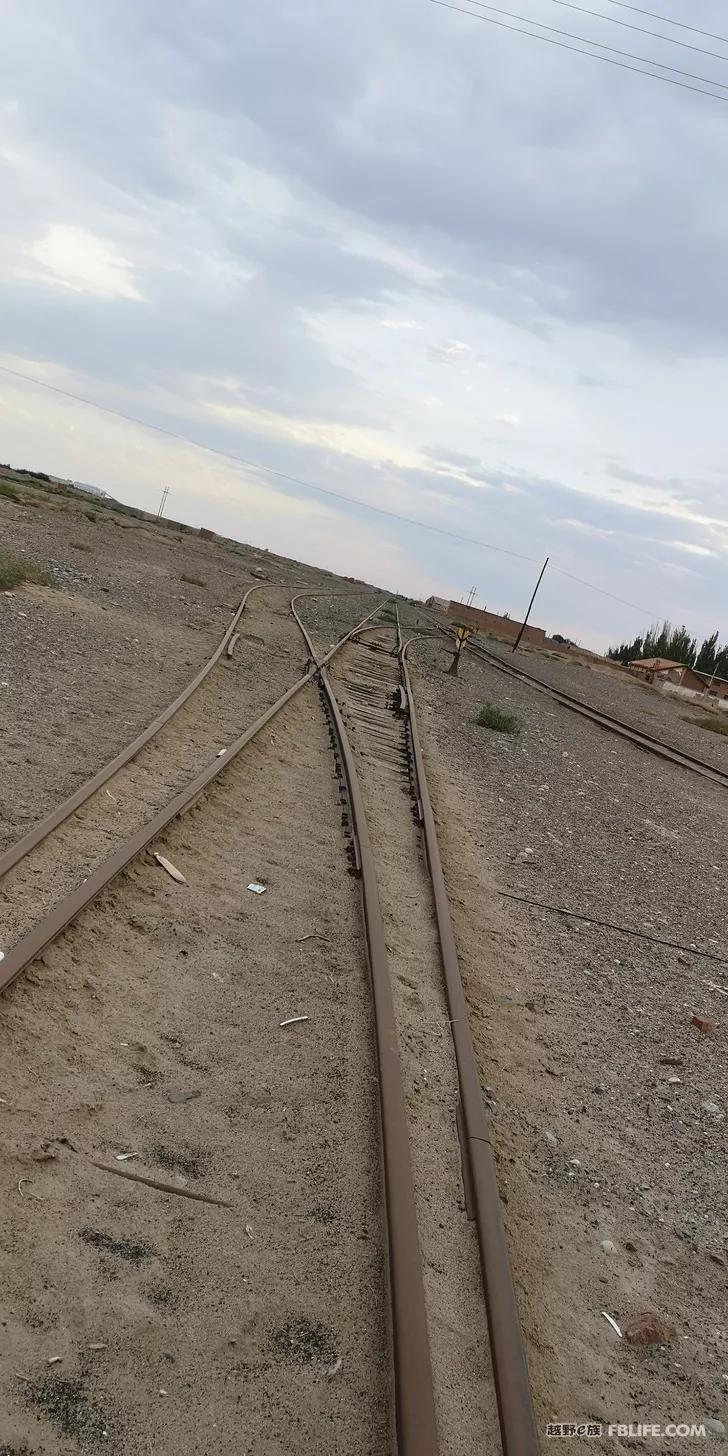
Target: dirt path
260, 1327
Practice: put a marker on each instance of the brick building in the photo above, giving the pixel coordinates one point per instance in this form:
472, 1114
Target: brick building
489, 622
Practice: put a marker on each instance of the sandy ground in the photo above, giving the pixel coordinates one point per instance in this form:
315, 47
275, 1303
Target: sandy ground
236, 692
153, 1027
675, 721
260, 1327
88, 661
613, 1175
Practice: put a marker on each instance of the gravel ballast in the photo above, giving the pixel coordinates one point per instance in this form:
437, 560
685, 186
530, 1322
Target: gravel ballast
580, 1029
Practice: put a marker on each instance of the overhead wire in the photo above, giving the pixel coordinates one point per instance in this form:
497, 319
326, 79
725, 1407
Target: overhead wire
601, 45
682, 24
641, 29
564, 46
266, 469
309, 485
654, 616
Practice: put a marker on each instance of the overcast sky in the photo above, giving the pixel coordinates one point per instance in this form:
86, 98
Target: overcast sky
396, 252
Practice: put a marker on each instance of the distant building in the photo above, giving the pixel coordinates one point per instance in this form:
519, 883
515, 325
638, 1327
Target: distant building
715, 687
664, 673
89, 489
495, 625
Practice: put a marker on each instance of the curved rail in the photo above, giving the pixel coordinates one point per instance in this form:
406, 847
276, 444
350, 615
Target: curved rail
515, 1405
46, 930
414, 1392
63, 811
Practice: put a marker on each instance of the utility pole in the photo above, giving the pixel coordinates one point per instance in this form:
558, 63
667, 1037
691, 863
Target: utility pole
163, 502
530, 604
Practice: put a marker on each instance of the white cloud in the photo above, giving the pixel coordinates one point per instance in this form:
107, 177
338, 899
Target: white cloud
690, 547
74, 258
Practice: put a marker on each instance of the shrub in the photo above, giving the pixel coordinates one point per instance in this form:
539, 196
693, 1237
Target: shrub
90, 516
8, 492
712, 725
16, 569
501, 720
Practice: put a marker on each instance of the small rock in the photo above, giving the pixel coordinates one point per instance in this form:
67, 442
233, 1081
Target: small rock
716, 1257
716, 1428
551, 1139
630, 1247
575, 1162
608, 1247
648, 1328
711, 1107
175, 1096
703, 1024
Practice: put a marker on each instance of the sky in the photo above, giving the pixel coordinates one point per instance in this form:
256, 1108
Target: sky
395, 252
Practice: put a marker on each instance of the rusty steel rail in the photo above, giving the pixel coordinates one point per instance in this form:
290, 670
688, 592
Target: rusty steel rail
595, 715
414, 1391
515, 1404
63, 811
36, 940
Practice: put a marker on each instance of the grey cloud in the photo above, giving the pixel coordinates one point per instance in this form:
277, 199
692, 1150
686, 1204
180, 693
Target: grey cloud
539, 189
638, 477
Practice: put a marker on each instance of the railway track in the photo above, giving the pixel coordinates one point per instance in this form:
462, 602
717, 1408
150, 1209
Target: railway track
637, 736
21, 872
459, 1379
446, 1398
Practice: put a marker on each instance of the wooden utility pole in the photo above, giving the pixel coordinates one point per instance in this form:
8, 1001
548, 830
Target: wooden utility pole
530, 604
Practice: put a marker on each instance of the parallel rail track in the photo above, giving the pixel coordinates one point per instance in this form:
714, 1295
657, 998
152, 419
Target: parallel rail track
416, 1422
66, 910
53, 820
415, 1404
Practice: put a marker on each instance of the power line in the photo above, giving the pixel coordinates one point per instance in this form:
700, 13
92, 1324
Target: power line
654, 616
641, 29
308, 485
667, 21
586, 40
267, 469
607, 60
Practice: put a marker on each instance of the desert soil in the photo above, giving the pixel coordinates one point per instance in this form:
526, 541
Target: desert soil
611, 1106
140, 1321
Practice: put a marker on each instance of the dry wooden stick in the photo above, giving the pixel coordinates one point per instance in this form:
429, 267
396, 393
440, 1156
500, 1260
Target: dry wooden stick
163, 1187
